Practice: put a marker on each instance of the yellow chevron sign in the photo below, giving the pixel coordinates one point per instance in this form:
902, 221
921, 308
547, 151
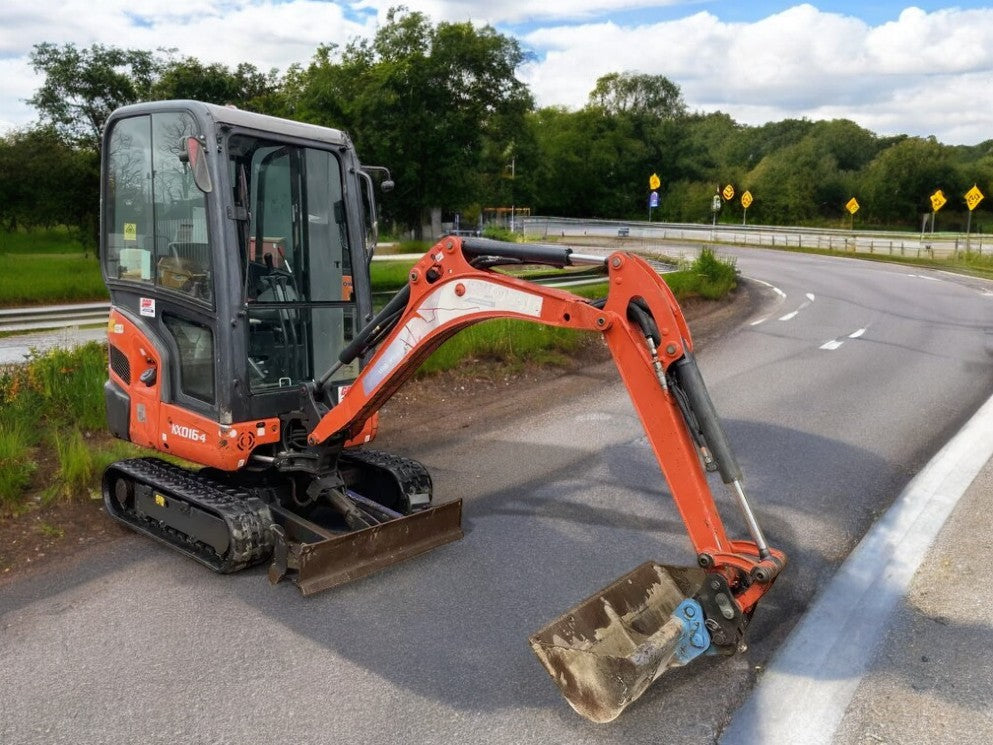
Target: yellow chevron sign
938, 200
973, 197
853, 205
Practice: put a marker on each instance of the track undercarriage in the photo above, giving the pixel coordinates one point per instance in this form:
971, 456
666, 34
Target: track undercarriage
371, 511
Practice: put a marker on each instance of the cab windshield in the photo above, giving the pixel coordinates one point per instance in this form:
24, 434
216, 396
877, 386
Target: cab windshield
296, 266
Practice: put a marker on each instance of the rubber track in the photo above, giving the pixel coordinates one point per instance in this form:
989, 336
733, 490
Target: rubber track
412, 476
248, 518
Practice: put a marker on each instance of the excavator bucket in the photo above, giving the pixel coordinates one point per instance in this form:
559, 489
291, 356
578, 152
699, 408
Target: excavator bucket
607, 650
317, 560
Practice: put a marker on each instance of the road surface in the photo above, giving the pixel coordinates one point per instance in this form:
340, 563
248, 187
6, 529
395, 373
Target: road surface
835, 392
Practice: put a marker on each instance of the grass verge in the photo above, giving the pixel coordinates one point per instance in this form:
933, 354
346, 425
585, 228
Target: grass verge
30, 279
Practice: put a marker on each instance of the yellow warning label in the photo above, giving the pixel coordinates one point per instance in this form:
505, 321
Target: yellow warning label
160, 500
853, 205
130, 231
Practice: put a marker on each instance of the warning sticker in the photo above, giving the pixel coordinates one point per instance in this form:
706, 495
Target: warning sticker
147, 307
130, 231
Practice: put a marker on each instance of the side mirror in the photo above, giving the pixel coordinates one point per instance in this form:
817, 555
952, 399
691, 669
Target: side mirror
387, 186
193, 153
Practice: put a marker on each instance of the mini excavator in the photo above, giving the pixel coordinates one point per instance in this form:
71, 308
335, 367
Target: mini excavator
242, 337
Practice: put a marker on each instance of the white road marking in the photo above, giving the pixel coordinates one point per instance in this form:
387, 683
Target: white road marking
758, 321
791, 316
924, 276
804, 692
810, 296
835, 343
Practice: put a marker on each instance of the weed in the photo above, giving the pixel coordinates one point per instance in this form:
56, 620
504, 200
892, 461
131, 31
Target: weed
16, 466
51, 531
70, 384
76, 469
498, 233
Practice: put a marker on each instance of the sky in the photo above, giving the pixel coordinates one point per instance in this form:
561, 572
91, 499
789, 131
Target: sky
892, 67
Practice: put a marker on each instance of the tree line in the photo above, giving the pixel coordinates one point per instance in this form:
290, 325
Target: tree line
441, 105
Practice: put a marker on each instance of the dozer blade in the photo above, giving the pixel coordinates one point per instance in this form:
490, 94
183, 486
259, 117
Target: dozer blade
334, 561
607, 650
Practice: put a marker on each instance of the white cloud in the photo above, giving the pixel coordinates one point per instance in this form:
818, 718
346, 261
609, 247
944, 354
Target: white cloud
514, 11
922, 73
925, 73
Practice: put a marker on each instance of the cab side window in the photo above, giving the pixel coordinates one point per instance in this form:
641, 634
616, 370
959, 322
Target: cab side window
156, 216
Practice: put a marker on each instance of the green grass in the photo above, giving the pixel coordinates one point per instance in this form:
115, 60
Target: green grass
16, 466
707, 276
52, 403
390, 276
47, 241
29, 279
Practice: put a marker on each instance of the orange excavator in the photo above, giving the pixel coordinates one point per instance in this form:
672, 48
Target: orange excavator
242, 337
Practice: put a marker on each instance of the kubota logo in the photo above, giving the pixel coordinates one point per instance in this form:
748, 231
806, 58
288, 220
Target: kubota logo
189, 433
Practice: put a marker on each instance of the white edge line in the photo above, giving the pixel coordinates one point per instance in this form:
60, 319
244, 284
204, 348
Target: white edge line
770, 286
857, 334
760, 320
832, 345
805, 691
810, 296
789, 316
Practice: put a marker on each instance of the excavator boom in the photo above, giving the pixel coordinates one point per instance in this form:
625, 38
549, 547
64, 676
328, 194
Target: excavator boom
604, 652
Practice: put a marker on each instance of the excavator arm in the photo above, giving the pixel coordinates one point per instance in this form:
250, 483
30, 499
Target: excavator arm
645, 613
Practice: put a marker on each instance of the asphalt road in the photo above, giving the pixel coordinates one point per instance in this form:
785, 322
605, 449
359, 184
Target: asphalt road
844, 384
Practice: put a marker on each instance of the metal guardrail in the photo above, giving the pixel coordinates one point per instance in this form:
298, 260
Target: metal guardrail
52, 317
919, 245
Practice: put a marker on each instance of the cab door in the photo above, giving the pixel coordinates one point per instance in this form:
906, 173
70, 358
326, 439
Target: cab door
157, 263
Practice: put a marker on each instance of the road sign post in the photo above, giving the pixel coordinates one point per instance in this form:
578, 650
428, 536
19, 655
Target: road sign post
972, 199
937, 202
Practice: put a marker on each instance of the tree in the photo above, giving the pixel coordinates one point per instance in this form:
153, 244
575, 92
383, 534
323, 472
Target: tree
428, 101
245, 86
83, 86
45, 181
898, 182
653, 96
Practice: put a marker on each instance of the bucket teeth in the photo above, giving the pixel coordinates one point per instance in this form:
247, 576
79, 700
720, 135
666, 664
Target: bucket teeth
606, 651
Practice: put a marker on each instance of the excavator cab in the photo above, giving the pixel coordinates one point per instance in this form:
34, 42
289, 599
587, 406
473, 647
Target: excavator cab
243, 340
254, 284
236, 250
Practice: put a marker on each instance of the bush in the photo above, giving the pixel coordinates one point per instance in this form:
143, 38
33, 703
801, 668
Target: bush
49, 402
717, 276
499, 233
